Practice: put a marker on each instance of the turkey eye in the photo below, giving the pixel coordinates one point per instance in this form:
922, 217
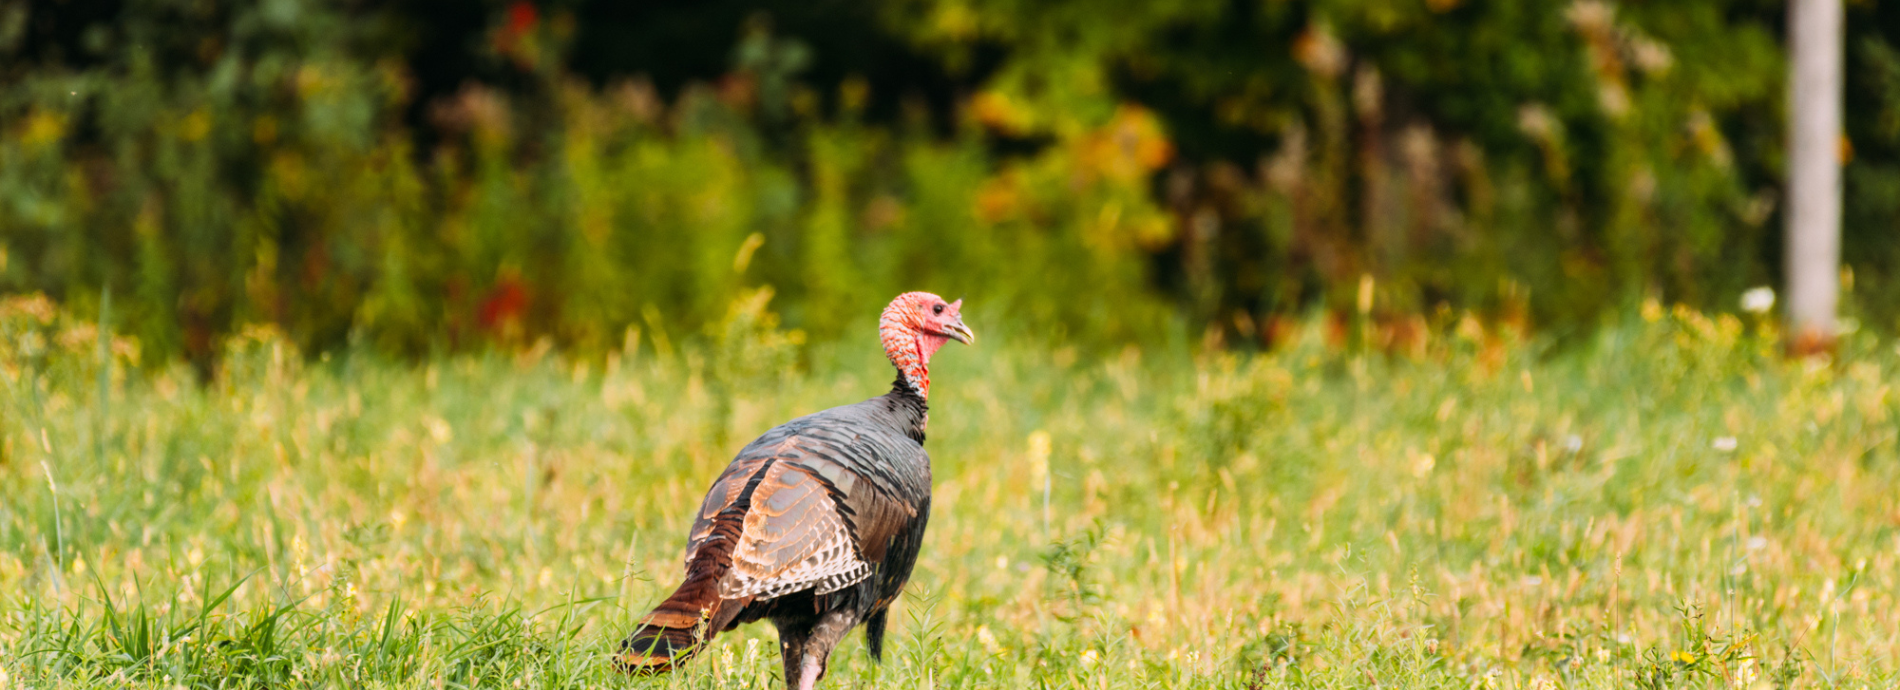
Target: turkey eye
937, 309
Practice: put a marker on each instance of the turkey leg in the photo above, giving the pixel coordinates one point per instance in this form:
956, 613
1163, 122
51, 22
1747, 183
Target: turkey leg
807, 646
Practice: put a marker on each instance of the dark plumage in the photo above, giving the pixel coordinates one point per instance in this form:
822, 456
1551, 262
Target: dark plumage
816, 524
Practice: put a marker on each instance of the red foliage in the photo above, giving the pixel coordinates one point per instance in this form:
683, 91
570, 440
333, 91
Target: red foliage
521, 17
502, 309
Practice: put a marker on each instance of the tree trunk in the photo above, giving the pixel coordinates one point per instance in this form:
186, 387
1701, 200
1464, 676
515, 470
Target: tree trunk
1814, 172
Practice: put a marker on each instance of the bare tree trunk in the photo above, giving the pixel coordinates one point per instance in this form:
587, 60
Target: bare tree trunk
1814, 172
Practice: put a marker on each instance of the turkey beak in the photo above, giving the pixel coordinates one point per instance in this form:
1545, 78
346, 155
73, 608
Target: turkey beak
959, 332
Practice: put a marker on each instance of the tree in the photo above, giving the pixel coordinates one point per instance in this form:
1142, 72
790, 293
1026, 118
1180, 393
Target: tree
1814, 172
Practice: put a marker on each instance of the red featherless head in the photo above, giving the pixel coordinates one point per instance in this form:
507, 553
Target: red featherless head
913, 327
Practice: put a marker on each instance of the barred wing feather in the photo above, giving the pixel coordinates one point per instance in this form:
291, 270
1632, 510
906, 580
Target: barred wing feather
794, 537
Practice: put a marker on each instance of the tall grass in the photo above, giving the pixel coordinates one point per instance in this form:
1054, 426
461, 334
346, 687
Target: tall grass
1666, 505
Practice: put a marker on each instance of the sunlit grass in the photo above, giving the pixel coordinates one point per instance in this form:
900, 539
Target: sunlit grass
1668, 504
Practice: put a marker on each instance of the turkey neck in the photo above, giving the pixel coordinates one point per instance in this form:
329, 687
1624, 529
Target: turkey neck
909, 351
909, 405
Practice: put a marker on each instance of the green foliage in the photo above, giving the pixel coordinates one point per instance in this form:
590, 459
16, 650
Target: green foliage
273, 181
1459, 152
1107, 174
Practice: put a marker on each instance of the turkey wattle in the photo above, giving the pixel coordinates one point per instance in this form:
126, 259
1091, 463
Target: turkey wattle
816, 524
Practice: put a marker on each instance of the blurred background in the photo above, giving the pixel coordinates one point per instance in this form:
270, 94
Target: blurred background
419, 176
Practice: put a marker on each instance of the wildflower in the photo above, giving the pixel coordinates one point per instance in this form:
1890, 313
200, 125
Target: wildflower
1089, 658
1652, 310
1724, 444
1319, 51
987, 639
1537, 121
1745, 674
1758, 300
1591, 15
1654, 57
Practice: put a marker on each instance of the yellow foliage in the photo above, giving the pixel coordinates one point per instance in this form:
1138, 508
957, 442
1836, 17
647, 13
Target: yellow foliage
195, 126
1128, 148
996, 110
998, 200
43, 129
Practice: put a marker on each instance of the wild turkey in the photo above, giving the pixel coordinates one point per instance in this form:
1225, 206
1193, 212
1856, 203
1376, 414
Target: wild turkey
815, 525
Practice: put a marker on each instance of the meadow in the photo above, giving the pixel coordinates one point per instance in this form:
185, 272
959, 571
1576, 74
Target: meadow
1665, 502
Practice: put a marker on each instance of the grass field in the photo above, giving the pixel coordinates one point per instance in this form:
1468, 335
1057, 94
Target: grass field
1663, 504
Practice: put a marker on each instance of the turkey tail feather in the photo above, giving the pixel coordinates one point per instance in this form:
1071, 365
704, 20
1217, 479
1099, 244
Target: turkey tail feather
677, 629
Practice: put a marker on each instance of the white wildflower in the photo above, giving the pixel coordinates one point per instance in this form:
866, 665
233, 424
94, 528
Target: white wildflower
1726, 444
1745, 674
1650, 55
1758, 300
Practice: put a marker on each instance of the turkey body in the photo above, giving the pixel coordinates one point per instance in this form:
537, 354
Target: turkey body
814, 526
